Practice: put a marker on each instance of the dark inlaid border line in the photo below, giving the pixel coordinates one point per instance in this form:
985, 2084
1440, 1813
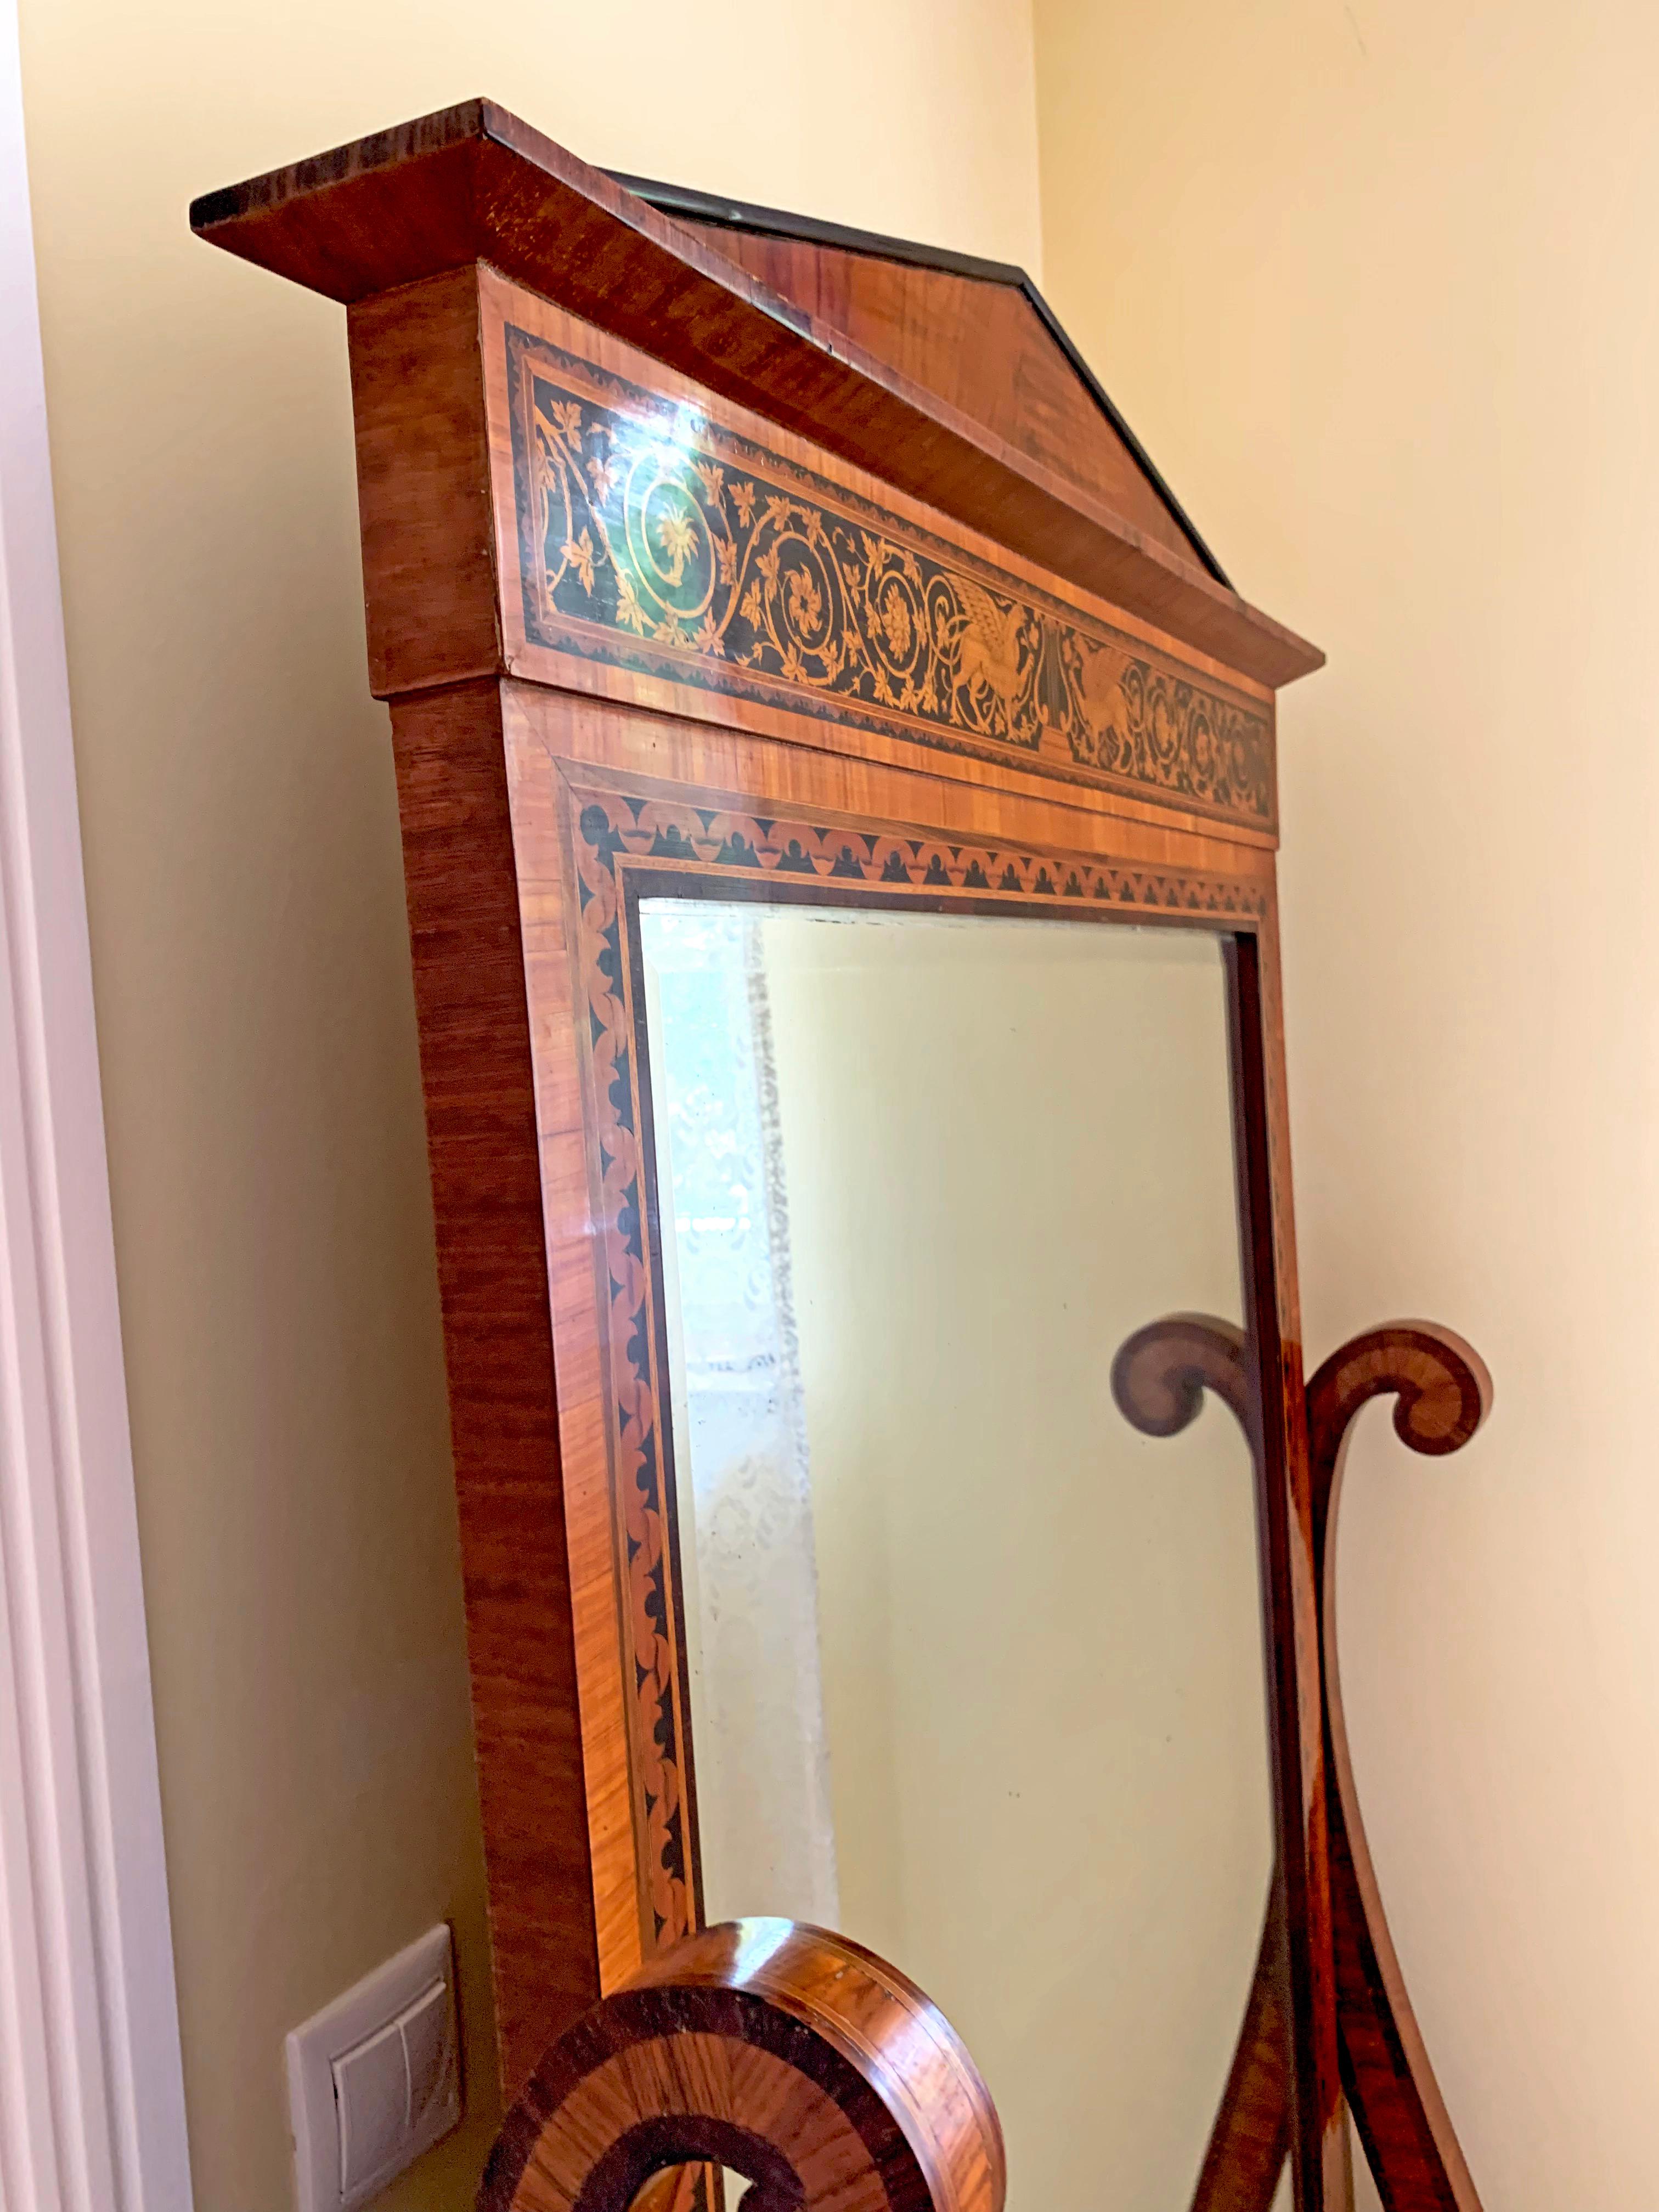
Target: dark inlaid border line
1156, 731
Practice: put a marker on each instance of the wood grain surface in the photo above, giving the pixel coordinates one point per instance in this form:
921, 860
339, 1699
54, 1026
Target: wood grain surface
980, 347
474, 184
645, 528
1244, 2158
1443, 1393
1262, 1141
476, 1066
538, 498
1159, 1376
781, 2052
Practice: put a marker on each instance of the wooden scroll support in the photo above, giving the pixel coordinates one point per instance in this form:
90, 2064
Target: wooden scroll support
1158, 1380
1444, 1393
791, 2057
1162, 1371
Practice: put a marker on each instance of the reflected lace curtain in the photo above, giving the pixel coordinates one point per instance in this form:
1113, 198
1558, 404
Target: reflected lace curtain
748, 1570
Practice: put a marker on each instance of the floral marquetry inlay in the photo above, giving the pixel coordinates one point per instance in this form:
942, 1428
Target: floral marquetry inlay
731, 853
655, 539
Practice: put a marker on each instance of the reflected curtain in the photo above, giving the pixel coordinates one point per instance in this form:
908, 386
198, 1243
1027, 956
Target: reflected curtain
749, 1573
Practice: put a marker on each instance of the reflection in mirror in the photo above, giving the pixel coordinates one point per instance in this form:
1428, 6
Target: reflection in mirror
702, 2189
1366, 2195
976, 1670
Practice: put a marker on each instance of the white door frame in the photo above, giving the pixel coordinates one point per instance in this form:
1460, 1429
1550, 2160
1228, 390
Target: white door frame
91, 2112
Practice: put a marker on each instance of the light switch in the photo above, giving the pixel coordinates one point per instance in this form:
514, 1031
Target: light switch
429, 2049
371, 2099
375, 2078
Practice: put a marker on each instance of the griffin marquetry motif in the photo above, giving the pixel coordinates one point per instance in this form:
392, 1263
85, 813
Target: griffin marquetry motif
656, 539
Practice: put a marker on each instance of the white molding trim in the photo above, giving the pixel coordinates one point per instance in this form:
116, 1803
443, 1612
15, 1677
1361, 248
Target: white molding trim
91, 2112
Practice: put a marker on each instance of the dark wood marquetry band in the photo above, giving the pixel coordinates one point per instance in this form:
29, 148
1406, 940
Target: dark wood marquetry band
787, 2054
656, 538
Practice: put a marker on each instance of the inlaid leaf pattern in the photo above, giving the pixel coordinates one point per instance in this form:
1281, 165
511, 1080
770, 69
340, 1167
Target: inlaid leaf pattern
656, 538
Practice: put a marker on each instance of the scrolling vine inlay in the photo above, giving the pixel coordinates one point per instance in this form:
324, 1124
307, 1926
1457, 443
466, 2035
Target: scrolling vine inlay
726, 853
657, 540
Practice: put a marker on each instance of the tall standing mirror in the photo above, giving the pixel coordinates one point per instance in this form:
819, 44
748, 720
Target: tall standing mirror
839, 798
975, 1670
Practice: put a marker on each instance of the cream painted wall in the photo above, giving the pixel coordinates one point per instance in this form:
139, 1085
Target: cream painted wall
256, 1024
1379, 285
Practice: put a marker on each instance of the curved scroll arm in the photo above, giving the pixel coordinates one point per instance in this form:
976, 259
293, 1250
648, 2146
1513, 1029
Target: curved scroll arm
1158, 1380
1251, 2140
1160, 1373
1444, 1394
785, 2054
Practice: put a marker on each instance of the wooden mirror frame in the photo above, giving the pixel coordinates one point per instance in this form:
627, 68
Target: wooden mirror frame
1091, 732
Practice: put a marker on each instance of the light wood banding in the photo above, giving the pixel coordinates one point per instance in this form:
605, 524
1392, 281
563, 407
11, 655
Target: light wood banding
780, 2051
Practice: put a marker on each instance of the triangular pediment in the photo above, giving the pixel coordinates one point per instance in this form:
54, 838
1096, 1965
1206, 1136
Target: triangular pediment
946, 379
978, 334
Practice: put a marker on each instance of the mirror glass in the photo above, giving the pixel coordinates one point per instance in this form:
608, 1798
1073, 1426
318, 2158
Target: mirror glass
976, 1670
699, 2188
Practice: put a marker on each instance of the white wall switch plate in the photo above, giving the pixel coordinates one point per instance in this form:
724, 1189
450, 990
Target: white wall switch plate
374, 2079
